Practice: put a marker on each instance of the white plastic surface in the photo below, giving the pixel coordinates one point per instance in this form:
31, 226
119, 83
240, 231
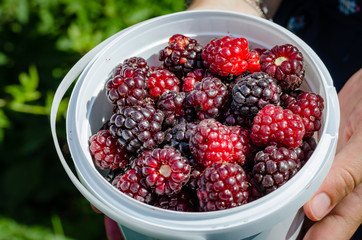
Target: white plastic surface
275, 215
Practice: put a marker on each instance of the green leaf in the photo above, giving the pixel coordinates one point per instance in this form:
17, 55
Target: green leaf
11, 230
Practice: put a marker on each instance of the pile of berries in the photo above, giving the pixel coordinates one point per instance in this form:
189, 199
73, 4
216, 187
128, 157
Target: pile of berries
210, 127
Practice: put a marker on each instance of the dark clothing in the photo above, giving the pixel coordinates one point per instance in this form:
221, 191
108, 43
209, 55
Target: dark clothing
332, 28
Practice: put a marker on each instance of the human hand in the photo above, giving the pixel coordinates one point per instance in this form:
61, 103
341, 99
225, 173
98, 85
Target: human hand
112, 229
337, 204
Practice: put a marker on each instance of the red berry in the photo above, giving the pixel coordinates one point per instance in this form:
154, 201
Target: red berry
165, 170
132, 184
274, 166
162, 81
106, 152
222, 186
274, 125
309, 107
211, 143
127, 86
285, 63
194, 76
253, 61
226, 55
240, 138
208, 97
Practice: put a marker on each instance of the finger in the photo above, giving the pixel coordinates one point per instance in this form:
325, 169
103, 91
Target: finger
112, 229
95, 209
344, 176
342, 222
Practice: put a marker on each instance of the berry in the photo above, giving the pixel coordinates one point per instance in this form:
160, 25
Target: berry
172, 105
132, 184
285, 63
178, 137
226, 56
253, 92
208, 97
211, 143
222, 186
275, 125
162, 81
181, 55
240, 138
137, 128
306, 150
289, 97
165, 170
309, 106
274, 166
127, 86
194, 76
106, 152
233, 117
185, 201
253, 61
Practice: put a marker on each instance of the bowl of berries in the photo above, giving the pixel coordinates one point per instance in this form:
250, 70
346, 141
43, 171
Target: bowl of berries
202, 125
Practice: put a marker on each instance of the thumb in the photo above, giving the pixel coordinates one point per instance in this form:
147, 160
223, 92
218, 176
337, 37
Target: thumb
344, 176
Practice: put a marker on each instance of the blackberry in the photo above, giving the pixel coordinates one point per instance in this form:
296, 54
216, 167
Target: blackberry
222, 186
181, 55
165, 170
185, 201
172, 104
306, 150
137, 128
106, 152
309, 106
178, 137
286, 64
208, 97
275, 125
253, 92
232, 117
127, 85
132, 184
211, 143
274, 166
289, 97
161, 81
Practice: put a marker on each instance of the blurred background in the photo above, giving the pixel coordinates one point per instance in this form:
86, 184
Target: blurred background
40, 40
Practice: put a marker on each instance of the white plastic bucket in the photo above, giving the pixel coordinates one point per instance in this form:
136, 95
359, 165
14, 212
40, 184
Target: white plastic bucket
275, 216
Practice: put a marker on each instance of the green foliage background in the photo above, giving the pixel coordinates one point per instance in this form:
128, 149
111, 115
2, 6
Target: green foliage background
40, 40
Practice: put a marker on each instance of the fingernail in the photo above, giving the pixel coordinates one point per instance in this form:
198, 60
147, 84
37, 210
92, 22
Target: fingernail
320, 205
